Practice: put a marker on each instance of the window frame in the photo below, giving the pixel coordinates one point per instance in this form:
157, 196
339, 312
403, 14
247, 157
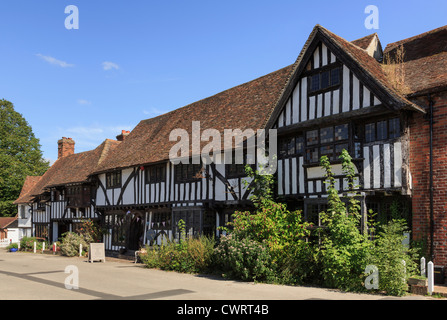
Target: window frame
158, 177
318, 145
186, 170
330, 70
375, 125
285, 152
113, 180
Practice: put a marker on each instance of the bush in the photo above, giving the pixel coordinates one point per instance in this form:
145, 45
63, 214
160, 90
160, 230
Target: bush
243, 259
395, 261
70, 244
192, 255
27, 244
12, 246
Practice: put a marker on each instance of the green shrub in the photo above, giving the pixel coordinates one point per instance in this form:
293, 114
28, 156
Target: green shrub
191, 255
27, 244
243, 259
395, 261
345, 248
70, 244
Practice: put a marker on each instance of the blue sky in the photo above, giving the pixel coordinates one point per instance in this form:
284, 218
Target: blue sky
133, 60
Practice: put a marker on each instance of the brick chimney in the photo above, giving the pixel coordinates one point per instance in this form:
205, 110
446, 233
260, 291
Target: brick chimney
65, 147
123, 135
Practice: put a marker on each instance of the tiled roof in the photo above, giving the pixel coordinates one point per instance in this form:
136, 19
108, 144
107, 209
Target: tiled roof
364, 42
28, 185
247, 106
251, 105
373, 68
74, 168
423, 64
6, 221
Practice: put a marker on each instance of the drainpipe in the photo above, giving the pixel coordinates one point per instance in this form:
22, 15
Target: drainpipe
432, 222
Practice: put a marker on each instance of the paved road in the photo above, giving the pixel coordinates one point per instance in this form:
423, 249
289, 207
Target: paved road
36, 276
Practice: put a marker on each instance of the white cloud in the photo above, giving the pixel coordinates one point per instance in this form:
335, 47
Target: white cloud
54, 61
84, 102
107, 65
153, 111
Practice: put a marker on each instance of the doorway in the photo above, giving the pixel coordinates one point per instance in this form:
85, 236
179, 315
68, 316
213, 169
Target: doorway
136, 231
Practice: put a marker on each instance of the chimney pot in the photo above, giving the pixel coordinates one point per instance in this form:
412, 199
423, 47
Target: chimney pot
123, 135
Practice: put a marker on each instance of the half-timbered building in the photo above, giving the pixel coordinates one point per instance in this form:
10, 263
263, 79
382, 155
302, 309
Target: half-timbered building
142, 195
386, 107
339, 97
24, 207
60, 199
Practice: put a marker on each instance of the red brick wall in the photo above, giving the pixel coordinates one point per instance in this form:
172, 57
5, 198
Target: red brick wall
420, 171
65, 147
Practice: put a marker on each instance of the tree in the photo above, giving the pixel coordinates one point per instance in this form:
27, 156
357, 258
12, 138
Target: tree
20, 156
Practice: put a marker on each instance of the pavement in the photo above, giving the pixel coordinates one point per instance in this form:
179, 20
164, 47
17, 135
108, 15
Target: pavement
29, 276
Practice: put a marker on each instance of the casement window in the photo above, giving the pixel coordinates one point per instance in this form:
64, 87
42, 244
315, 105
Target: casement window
291, 146
237, 169
326, 79
22, 212
382, 130
329, 141
187, 172
161, 220
155, 174
78, 196
41, 230
313, 211
113, 180
192, 220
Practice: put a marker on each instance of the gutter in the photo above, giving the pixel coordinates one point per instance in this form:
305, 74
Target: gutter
432, 222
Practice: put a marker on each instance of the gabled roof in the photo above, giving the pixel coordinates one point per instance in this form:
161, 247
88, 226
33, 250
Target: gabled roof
364, 42
247, 106
356, 58
73, 169
28, 185
422, 65
6, 222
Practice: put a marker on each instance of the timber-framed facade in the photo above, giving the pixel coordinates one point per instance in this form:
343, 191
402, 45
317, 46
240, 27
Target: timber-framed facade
337, 95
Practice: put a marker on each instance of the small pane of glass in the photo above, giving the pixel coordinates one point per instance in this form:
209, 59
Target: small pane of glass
312, 155
339, 148
394, 128
312, 137
341, 132
315, 82
382, 130
282, 148
328, 151
370, 132
335, 76
299, 145
358, 150
325, 80
313, 214
327, 135
291, 146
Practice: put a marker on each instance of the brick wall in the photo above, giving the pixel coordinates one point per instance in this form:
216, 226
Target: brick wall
420, 171
65, 147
